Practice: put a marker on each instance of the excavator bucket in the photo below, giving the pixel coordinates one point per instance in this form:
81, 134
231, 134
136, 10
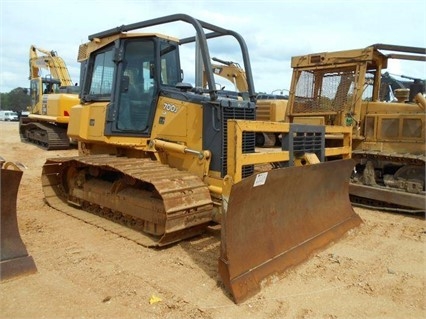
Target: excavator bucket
15, 260
277, 219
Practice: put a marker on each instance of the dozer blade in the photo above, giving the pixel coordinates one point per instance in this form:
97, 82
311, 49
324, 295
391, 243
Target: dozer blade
275, 223
15, 260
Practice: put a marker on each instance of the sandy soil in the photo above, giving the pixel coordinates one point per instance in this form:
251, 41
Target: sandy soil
376, 271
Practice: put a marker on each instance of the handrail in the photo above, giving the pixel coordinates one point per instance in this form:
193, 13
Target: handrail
202, 37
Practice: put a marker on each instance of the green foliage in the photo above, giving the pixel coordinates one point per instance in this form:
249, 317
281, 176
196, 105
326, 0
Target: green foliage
16, 100
4, 101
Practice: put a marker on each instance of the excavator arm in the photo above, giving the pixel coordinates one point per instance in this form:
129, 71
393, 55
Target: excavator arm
231, 71
50, 61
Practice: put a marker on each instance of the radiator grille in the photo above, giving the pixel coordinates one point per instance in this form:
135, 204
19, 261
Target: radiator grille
303, 139
249, 138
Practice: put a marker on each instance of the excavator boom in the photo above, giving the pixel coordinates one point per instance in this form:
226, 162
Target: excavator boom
50, 61
232, 72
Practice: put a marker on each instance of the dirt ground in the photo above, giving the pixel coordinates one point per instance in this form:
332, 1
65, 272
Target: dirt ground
376, 271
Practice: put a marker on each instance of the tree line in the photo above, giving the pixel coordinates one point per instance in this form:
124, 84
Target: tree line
17, 100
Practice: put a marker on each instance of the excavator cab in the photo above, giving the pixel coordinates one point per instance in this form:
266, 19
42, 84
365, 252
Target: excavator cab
169, 159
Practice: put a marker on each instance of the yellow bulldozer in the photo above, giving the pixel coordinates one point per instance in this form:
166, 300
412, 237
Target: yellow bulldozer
52, 97
387, 116
160, 160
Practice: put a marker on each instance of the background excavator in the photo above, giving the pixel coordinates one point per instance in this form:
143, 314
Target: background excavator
52, 97
167, 159
387, 116
231, 71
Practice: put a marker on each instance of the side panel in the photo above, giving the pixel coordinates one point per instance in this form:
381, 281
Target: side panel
87, 122
59, 105
179, 120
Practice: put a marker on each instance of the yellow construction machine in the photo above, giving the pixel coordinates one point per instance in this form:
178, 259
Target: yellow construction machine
270, 107
387, 117
231, 71
168, 159
52, 97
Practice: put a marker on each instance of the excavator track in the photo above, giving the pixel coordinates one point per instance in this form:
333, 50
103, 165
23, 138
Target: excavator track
48, 136
139, 199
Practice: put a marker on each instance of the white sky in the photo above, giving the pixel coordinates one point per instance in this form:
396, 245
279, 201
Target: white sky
274, 30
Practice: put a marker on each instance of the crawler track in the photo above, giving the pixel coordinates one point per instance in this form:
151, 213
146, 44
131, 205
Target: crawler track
48, 136
393, 198
148, 202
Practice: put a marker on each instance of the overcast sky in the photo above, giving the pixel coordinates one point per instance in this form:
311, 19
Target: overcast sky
274, 30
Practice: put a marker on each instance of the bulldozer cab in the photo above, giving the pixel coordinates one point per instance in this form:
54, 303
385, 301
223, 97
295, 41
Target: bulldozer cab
132, 70
143, 73
334, 87
132, 82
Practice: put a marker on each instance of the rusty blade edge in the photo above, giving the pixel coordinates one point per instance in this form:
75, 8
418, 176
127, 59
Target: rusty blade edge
248, 284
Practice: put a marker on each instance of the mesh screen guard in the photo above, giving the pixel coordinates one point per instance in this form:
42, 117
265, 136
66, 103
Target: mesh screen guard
320, 91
